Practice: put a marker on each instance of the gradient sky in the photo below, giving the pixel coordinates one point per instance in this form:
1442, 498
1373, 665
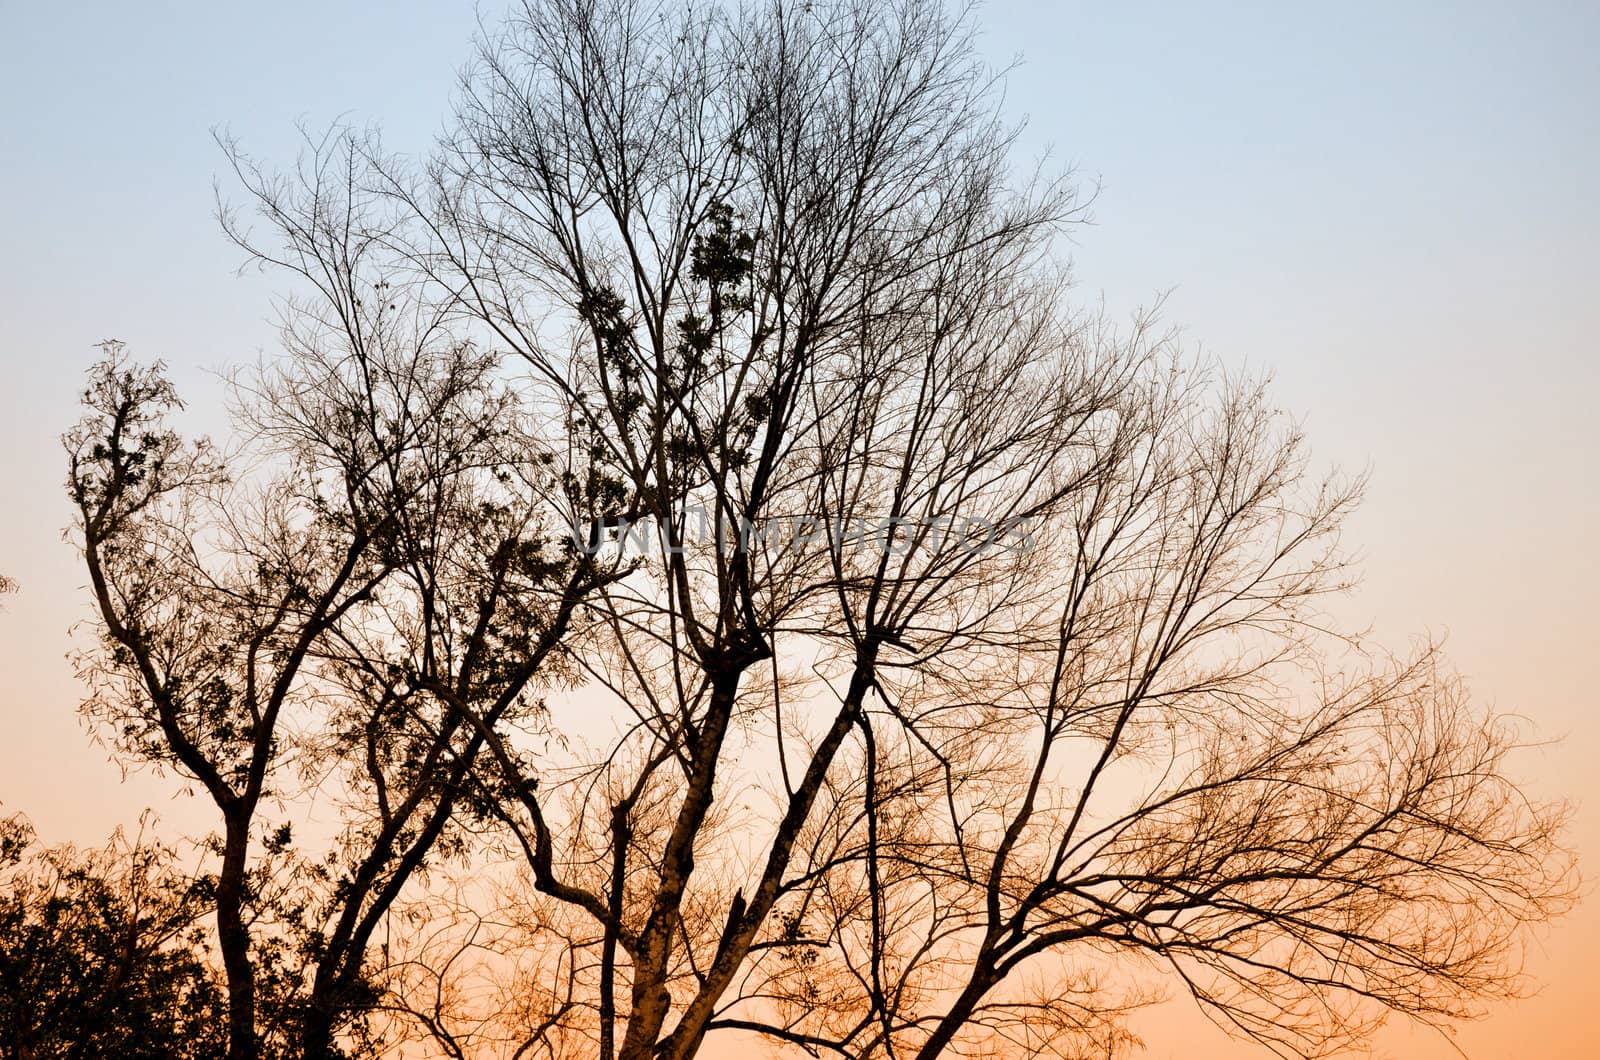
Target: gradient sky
1390, 207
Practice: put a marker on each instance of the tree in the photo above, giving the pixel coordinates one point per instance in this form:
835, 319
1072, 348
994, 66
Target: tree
280, 618
973, 646
940, 659
100, 954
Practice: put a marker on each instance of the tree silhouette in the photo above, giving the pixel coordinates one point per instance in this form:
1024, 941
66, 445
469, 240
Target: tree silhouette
276, 631
100, 954
974, 644
944, 668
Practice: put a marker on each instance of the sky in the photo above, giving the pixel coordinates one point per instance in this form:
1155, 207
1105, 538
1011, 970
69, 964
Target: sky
1389, 208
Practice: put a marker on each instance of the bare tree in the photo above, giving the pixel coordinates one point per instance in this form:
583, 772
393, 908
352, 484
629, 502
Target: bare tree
945, 668
970, 644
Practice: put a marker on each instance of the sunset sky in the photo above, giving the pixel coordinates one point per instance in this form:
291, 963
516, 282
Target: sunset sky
1390, 208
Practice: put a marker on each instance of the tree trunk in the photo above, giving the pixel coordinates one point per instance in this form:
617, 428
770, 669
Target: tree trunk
956, 1018
234, 940
316, 1034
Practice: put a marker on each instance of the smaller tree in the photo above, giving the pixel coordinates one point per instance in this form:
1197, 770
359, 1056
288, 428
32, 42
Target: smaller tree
101, 954
356, 599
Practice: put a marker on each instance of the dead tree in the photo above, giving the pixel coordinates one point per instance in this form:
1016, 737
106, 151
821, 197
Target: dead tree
930, 573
